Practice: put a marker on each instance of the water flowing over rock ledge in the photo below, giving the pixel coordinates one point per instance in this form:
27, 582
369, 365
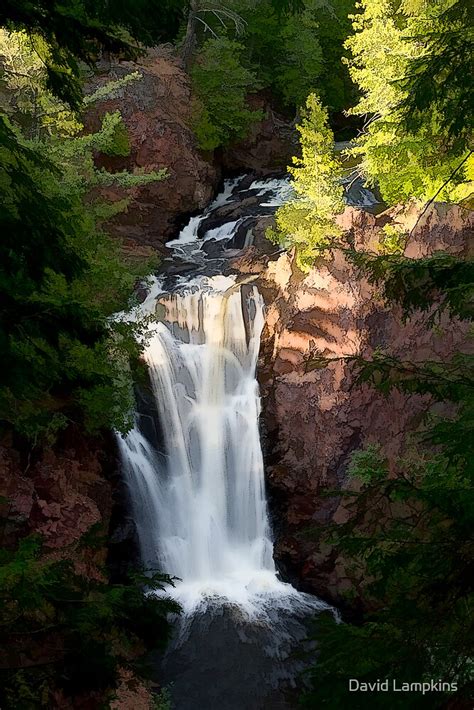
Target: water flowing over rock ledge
157, 112
197, 488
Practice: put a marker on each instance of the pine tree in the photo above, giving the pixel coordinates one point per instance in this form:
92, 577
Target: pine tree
61, 277
78, 30
307, 221
407, 157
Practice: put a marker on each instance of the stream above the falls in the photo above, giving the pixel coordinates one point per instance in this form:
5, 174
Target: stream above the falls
194, 469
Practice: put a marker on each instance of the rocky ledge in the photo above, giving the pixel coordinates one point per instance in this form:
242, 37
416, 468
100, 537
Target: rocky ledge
314, 419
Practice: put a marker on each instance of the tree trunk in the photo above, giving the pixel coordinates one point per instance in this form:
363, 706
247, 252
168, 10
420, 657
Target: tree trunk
189, 43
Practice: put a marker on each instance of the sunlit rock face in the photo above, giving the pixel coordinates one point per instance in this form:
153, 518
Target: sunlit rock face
315, 419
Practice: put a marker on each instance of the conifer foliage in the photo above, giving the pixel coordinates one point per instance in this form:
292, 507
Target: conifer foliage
307, 221
78, 30
288, 48
61, 277
412, 62
64, 635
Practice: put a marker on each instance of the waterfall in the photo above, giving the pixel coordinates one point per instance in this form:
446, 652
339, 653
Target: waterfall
199, 494
200, 509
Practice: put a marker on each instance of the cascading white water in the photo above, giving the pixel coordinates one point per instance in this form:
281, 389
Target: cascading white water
201, 509
199, 503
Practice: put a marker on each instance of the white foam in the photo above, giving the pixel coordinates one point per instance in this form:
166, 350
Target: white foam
224, 231
280, 191
226, 195
189, 233
201, 510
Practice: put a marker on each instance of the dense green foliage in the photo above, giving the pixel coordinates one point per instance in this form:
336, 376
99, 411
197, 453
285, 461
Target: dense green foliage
300, 51
65, 635
223, 84
78, 29
61, 276
292, 49
440, 79
307, 221
412, 62
416, 140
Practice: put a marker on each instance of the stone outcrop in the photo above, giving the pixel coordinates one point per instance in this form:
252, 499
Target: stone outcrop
59, 493
313, 419
268, 148
156, 110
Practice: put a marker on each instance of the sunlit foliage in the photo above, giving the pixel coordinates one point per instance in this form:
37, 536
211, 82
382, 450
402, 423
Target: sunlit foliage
307, 221
394, 61
63, 33
61, 277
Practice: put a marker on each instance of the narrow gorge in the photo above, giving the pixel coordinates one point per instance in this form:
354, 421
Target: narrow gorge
195, 473
236, 393
194, 466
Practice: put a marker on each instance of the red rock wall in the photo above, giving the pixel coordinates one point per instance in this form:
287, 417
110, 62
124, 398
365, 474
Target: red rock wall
157, 112
59, 493
314, 420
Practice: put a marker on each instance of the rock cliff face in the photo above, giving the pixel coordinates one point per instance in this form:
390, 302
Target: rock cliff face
156, 110
268, 148
314, 420
64, 493
59, 493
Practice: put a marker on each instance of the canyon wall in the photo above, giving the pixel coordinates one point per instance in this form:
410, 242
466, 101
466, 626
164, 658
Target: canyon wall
64, 493
156, 110
59, 493
313, 419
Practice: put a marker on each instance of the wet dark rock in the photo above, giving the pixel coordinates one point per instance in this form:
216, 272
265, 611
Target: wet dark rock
269, 146
180, 269
213, 248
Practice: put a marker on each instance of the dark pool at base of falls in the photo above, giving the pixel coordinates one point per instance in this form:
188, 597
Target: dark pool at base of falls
226, 663
194, 469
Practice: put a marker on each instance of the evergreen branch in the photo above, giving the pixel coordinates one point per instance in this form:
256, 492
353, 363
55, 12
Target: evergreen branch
438, 192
